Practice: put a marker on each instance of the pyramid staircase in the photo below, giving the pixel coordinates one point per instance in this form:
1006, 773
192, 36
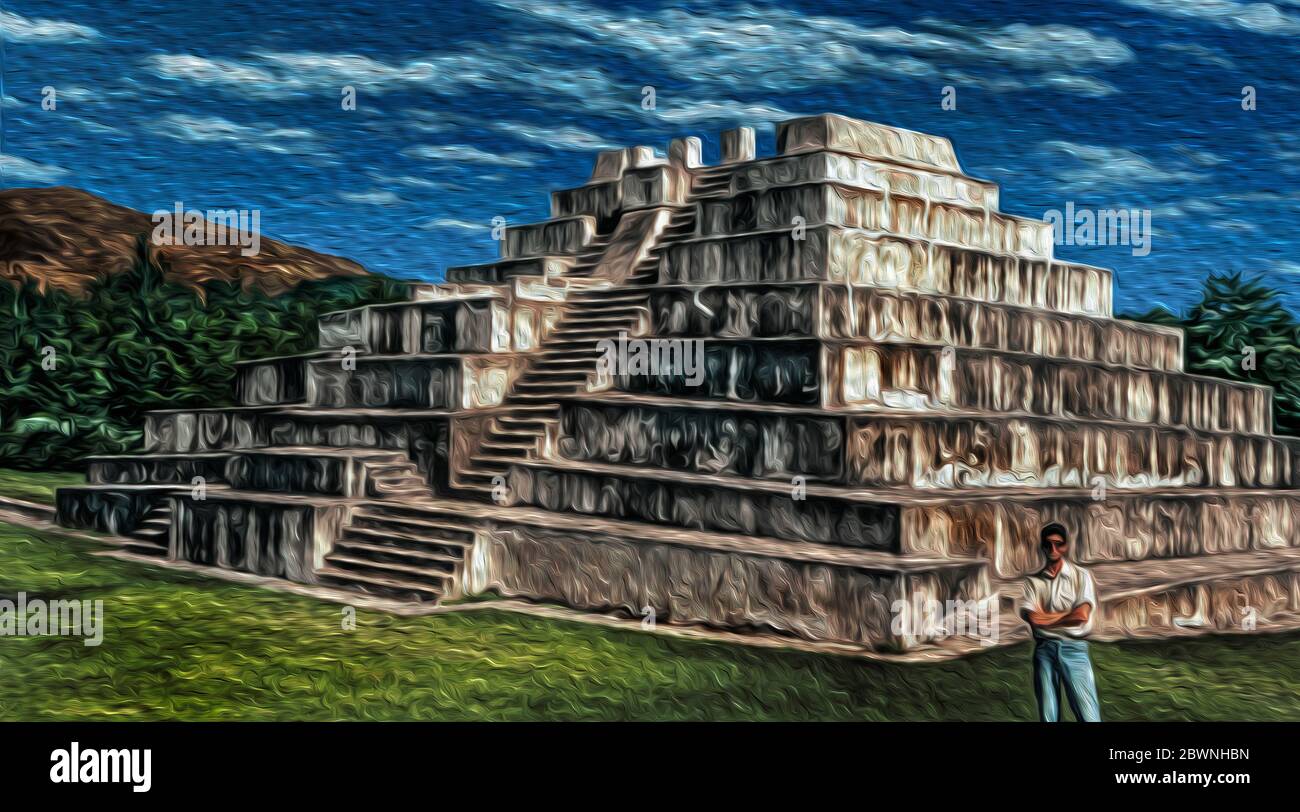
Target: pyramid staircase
900, 384
567, 365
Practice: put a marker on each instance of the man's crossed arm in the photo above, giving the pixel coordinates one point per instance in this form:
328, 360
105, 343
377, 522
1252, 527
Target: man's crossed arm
1047, 620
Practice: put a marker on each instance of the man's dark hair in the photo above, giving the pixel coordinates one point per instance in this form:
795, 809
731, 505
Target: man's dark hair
1053, 529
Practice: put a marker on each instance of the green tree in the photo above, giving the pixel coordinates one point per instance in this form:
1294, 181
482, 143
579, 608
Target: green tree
77, 373
1241, 331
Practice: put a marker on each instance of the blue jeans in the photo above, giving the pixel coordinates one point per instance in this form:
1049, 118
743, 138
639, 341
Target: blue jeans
1065, 662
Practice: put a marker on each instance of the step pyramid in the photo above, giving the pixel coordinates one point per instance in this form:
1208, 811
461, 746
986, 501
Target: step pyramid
788, 395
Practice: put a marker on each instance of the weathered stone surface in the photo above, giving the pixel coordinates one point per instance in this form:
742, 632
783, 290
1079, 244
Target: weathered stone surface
503, 271
964, 226
273, 381
175, 469
779, 372
773, 446
863, 173
775, 514
278, 538
1215, 603
884, 316
177, 431
935, 453
564, 235
411, 382
889, 316
963, 452
864, 138
1121, 527
934, 379
860, 258
686, 585
116, 509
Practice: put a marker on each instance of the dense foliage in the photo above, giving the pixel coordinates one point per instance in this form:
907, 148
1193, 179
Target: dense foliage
1238, 324
78, 372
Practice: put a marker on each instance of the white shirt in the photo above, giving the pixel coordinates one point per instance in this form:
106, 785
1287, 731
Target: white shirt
1071, 588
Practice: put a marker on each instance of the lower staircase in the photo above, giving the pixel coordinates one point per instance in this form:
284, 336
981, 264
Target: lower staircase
150, 536
399, 551
565, 364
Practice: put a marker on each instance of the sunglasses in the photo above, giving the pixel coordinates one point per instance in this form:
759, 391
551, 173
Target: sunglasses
1055, 544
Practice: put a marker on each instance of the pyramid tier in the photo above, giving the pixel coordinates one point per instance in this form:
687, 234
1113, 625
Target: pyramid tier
817, 310
411, 381
956, 225
1123, 526
859, 376
482, 324
997, 524
906, 449
849, 256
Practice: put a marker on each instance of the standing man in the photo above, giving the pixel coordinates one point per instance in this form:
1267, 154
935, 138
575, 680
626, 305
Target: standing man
1059, 604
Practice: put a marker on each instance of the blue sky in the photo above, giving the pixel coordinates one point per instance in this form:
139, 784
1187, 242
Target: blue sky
472, 110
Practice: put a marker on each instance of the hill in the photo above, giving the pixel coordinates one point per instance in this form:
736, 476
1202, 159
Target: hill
64, 238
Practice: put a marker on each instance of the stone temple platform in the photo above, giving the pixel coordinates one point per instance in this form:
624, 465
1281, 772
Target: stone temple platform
897, 386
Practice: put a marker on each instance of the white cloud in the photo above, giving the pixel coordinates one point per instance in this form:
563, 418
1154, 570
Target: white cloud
372, 197
528, 63
201, 70
1201, 53
451, 223
1200, 157
1093, 166
1261, 18
412, 181
18, 28
217, 130
715, 111
556, 137
16, 168
1078, 85
464, 153
778, 48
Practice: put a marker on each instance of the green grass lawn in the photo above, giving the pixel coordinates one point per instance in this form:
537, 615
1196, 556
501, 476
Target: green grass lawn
178, 646
36, 486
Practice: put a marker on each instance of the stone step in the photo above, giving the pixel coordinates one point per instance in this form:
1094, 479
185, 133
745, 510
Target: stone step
513, 450
418, 542
411, 572
584, 309
485, 463
599, 331
413, 557
552, 376
144, 547
595, 321
565, 361
541, 388
524, 427
381, 585
398, 521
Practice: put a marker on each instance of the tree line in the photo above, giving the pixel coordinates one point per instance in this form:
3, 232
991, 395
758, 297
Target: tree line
78, 371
